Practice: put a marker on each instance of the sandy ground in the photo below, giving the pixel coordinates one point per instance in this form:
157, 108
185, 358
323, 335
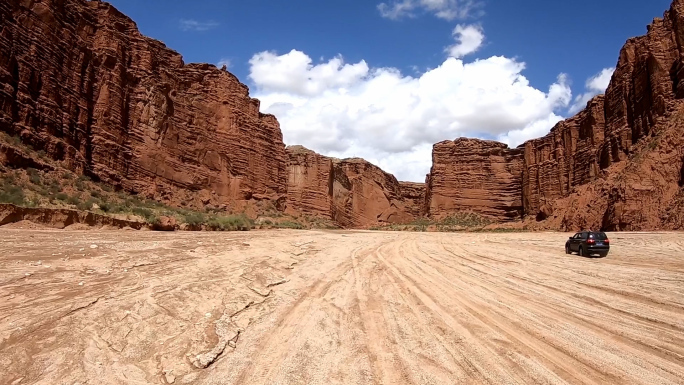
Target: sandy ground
286, 307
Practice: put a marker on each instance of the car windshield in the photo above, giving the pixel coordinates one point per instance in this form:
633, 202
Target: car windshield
599, 236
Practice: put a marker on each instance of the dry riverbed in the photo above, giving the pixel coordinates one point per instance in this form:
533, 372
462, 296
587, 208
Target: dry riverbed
287, 307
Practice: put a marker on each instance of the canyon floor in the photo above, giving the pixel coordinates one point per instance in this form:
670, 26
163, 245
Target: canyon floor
316, 307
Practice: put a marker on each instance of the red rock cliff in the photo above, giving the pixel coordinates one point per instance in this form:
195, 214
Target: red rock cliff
351, 192
472, 175
79, 81
617, 164
310, 183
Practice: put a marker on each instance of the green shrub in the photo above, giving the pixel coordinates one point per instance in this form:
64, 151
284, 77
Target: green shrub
62, 196
194, 218
230, 223
144, 213
104, 206
73, 200
34, 176
12, 194
86, 205
289, 225
14, 140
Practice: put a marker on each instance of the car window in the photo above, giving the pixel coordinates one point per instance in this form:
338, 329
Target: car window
577, 236
584, 235
600, 236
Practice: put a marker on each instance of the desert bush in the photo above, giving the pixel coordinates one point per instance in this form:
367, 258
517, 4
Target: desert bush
289, 225
194, 218
34, 176
86, 205
73, 200
105, 206
10, 193
144, 213
62, 196
230, 223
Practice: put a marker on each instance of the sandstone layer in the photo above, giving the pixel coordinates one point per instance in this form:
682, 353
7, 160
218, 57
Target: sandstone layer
616, 165
62, 218
79, 81
351, 192
472, 175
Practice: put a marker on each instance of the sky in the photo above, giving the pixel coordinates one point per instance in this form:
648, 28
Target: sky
386, 79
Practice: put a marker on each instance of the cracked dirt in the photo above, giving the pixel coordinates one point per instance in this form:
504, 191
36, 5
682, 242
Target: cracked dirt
286, 307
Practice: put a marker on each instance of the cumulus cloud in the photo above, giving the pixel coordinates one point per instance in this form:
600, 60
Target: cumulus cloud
468, 38
595, 85
391, 119
196, 25
443, 9
294, 73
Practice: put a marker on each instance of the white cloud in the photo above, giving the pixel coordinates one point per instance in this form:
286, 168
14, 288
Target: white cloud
595, 85
195, 25
344, 110
224, 62
443, 9
294, 73
468, 38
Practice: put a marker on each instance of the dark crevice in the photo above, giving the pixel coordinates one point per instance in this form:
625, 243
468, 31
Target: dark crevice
14, 70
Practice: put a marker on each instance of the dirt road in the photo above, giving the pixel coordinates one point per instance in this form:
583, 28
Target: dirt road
286, 307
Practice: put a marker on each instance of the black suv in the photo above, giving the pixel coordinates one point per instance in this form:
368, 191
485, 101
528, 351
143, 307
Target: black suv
586, 243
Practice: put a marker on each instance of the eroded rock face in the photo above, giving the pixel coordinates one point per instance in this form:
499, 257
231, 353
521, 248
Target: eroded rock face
80, 82
616, 164
568, 156
472, 175
309, 187
351, 192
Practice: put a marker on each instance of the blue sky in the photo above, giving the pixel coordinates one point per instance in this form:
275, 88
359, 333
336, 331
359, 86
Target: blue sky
575, 40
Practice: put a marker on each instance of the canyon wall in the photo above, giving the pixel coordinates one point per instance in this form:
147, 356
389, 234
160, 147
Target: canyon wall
472, 175
78, 81
616, 165
350, 192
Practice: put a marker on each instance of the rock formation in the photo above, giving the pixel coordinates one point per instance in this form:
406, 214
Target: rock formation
351, 192
78, 81
617, 165
471, 175
310, 183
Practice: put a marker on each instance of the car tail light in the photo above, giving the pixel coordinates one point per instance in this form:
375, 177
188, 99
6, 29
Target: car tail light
607, 241
591, 241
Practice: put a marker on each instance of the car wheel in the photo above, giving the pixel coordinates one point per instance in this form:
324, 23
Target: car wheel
567, 249
581, 252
